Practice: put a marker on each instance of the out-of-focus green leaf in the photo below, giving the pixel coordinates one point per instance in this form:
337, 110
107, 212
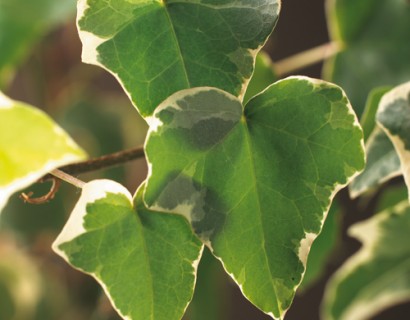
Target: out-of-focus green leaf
375, 37
22, 23
378, 276
368, 119
207, 302
155, 48
393, 116
322, 248
263, 76
145, 261
382, 164
31, 145
255, 182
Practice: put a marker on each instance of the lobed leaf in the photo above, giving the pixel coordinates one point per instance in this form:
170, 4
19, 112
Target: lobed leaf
145, 261
393, 116
376, 277
255, 182
375, 38
158, 47
31, 145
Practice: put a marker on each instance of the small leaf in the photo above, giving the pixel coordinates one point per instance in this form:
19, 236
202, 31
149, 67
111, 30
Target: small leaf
376, 46
145, 261
378, 276
22, 23
256, 183
393, 116
31, 145
158, 47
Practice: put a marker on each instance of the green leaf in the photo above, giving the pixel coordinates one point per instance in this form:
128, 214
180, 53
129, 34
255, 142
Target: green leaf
157, 47
256, 183
262, 77
22, 23
382, 164
376, 277
368, 119
31, 145
393, 116
145, 261
376, 46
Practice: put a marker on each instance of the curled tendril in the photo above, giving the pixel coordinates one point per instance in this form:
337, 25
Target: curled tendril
43, 199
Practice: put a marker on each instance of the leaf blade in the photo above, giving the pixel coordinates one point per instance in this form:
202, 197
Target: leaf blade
145, 261
236, 167
194, 43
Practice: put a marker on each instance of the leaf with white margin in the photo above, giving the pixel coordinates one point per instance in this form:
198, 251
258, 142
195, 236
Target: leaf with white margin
158, 47
378, 275
255, 183
31, 145
145, 261
393, 116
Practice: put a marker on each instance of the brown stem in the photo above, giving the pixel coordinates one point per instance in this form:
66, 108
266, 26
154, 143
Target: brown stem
105, 161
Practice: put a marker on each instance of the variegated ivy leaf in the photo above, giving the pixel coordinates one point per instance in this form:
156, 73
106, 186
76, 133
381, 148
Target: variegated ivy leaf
255, 182
146, 261
372, 54
378, 276
158, 47
393, 116
31, 145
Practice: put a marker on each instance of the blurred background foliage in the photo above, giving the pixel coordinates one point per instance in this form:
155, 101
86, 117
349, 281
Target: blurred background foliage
40, 64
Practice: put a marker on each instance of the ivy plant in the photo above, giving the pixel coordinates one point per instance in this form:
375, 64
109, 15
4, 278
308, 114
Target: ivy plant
241, 160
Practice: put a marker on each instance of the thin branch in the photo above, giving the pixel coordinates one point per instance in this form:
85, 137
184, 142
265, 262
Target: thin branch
103, 162
68, 178
306, 58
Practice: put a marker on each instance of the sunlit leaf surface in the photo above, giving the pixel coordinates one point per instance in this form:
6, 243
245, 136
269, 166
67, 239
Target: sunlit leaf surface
255, 182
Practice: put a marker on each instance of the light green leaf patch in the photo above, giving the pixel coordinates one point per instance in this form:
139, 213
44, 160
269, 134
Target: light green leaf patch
157, 47
255, 182
31, 145
378, 276
393, 116
145, 261
375, 38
